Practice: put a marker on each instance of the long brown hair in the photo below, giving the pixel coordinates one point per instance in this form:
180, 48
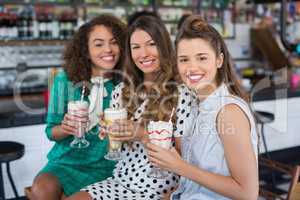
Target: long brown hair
195, 27
77, 63
163, 94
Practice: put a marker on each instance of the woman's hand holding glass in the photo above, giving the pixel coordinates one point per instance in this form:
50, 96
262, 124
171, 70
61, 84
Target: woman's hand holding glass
75, 123
167, 159
127, 130
72, 124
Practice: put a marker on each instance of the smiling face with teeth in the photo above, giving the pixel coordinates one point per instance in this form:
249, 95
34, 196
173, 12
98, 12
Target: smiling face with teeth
104, 50
198, 64
144, 52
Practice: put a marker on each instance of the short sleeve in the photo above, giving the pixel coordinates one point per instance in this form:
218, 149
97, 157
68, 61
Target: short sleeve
116, 100
247, 111
57, 103
184, 117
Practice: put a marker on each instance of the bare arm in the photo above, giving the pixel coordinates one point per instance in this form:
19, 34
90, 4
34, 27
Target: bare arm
57, 133
178, 144
234, 132
69, 126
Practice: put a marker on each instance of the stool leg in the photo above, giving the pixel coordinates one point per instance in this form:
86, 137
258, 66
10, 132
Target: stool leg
2, 194
11, 180
264, 141
267, 154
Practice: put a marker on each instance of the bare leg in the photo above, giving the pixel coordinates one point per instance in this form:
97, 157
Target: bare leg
168, 195
46, 187
63, 197
80, 196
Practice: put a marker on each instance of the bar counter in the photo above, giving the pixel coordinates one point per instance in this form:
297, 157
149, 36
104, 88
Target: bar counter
12, 116
14, 113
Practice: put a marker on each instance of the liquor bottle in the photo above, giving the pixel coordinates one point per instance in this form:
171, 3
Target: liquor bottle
62, 27
42, 19
55, 28
21, 24
29, 24
13, 30
49, 27
3, 26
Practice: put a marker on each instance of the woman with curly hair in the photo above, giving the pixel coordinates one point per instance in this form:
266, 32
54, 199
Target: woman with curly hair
150, 92
95, 50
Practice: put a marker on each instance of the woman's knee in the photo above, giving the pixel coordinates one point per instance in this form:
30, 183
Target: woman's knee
44, 185
80, 196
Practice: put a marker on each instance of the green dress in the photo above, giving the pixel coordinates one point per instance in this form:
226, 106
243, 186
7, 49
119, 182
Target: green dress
75, 168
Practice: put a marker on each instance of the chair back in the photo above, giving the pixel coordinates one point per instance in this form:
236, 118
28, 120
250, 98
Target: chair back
289, 172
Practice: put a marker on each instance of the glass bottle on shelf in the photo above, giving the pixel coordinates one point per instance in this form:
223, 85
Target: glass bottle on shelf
42, 25
14, 29
62, 27
55, 27
9, 25
49, 27
68, 23
29, 23
3, 25
21, 25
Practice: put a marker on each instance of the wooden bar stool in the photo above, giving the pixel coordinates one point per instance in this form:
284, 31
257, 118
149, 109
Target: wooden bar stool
290, 172
27, 192
9, 151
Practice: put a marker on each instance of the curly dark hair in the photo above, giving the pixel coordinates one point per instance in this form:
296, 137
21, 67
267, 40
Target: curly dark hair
77, 63
163, 95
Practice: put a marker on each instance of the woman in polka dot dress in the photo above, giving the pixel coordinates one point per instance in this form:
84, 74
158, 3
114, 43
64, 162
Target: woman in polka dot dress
149, 94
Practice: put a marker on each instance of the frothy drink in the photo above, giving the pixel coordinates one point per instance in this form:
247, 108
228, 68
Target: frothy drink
79, 109
160, 133
110, 115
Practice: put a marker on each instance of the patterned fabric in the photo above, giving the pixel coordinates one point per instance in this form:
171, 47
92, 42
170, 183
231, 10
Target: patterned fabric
75, 168
204, 148
130, 180
97, 94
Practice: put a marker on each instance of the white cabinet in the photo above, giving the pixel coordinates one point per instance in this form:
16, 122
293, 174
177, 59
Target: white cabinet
36, 148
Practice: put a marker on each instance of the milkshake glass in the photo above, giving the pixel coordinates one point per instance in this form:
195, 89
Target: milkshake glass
79, 109
114, 147
160, 134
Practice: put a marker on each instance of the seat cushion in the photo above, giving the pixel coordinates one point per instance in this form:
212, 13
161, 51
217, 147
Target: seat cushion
10, 151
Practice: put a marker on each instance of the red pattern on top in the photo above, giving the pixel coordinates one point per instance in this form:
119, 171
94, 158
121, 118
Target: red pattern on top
168, 138
159, 132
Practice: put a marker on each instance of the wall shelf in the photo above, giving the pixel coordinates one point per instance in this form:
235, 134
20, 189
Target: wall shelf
177, 6
34, 42
22, 2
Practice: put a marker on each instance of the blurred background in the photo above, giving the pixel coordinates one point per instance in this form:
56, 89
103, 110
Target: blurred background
262, 36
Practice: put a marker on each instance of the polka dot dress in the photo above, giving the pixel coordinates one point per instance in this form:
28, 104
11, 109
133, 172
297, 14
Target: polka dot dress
130, 180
